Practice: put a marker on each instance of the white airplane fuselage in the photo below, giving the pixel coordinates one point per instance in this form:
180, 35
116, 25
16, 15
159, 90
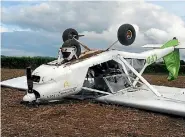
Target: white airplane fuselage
59, 81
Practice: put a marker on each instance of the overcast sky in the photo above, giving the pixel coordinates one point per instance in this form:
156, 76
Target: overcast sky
35, 28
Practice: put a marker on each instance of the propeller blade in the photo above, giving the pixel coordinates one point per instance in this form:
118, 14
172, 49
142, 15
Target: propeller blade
29, 80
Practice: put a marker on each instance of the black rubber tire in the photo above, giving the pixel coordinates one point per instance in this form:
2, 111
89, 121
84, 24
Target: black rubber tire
68, 34
122, 34
71, 43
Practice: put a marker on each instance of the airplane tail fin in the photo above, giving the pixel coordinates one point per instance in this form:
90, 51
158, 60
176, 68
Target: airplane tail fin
172, 60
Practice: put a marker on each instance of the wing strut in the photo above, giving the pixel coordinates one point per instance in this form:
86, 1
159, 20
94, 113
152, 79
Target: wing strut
140, 77
95, 90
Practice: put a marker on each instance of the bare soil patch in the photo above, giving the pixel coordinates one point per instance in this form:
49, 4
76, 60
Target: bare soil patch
84, 118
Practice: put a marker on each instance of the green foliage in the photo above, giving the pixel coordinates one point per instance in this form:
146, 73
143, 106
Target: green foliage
23, 62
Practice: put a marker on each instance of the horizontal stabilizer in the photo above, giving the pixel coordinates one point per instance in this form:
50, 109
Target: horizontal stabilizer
157, 46
152, 46
172, 101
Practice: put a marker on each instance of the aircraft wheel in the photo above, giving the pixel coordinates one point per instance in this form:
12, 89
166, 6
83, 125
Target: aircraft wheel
72, 43
126, 34
69, 34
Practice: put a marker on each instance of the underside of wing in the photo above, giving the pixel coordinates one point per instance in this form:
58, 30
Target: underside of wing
158, 46
17, 83
172, 101
152, 46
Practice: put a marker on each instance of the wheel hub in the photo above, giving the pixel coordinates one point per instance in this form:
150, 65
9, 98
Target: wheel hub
129, 34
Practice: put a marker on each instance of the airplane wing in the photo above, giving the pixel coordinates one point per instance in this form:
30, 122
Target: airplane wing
18, 83
172, 101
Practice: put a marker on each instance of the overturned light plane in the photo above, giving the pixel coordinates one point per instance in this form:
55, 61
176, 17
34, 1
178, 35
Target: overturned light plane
110, 76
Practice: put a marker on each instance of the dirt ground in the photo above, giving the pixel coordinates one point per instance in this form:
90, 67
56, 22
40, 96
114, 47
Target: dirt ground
84, 118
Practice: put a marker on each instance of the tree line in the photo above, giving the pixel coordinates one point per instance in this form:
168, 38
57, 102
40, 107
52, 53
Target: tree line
23, 62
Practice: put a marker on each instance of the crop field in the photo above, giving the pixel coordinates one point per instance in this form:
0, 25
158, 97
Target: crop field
84, 118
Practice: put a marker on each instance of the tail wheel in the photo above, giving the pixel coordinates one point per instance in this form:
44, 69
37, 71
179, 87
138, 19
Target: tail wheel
69, 34
72, 43
126, 34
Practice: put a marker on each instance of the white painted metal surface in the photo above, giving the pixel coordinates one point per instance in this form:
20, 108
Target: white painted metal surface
156, 46
172, 101
18, 83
